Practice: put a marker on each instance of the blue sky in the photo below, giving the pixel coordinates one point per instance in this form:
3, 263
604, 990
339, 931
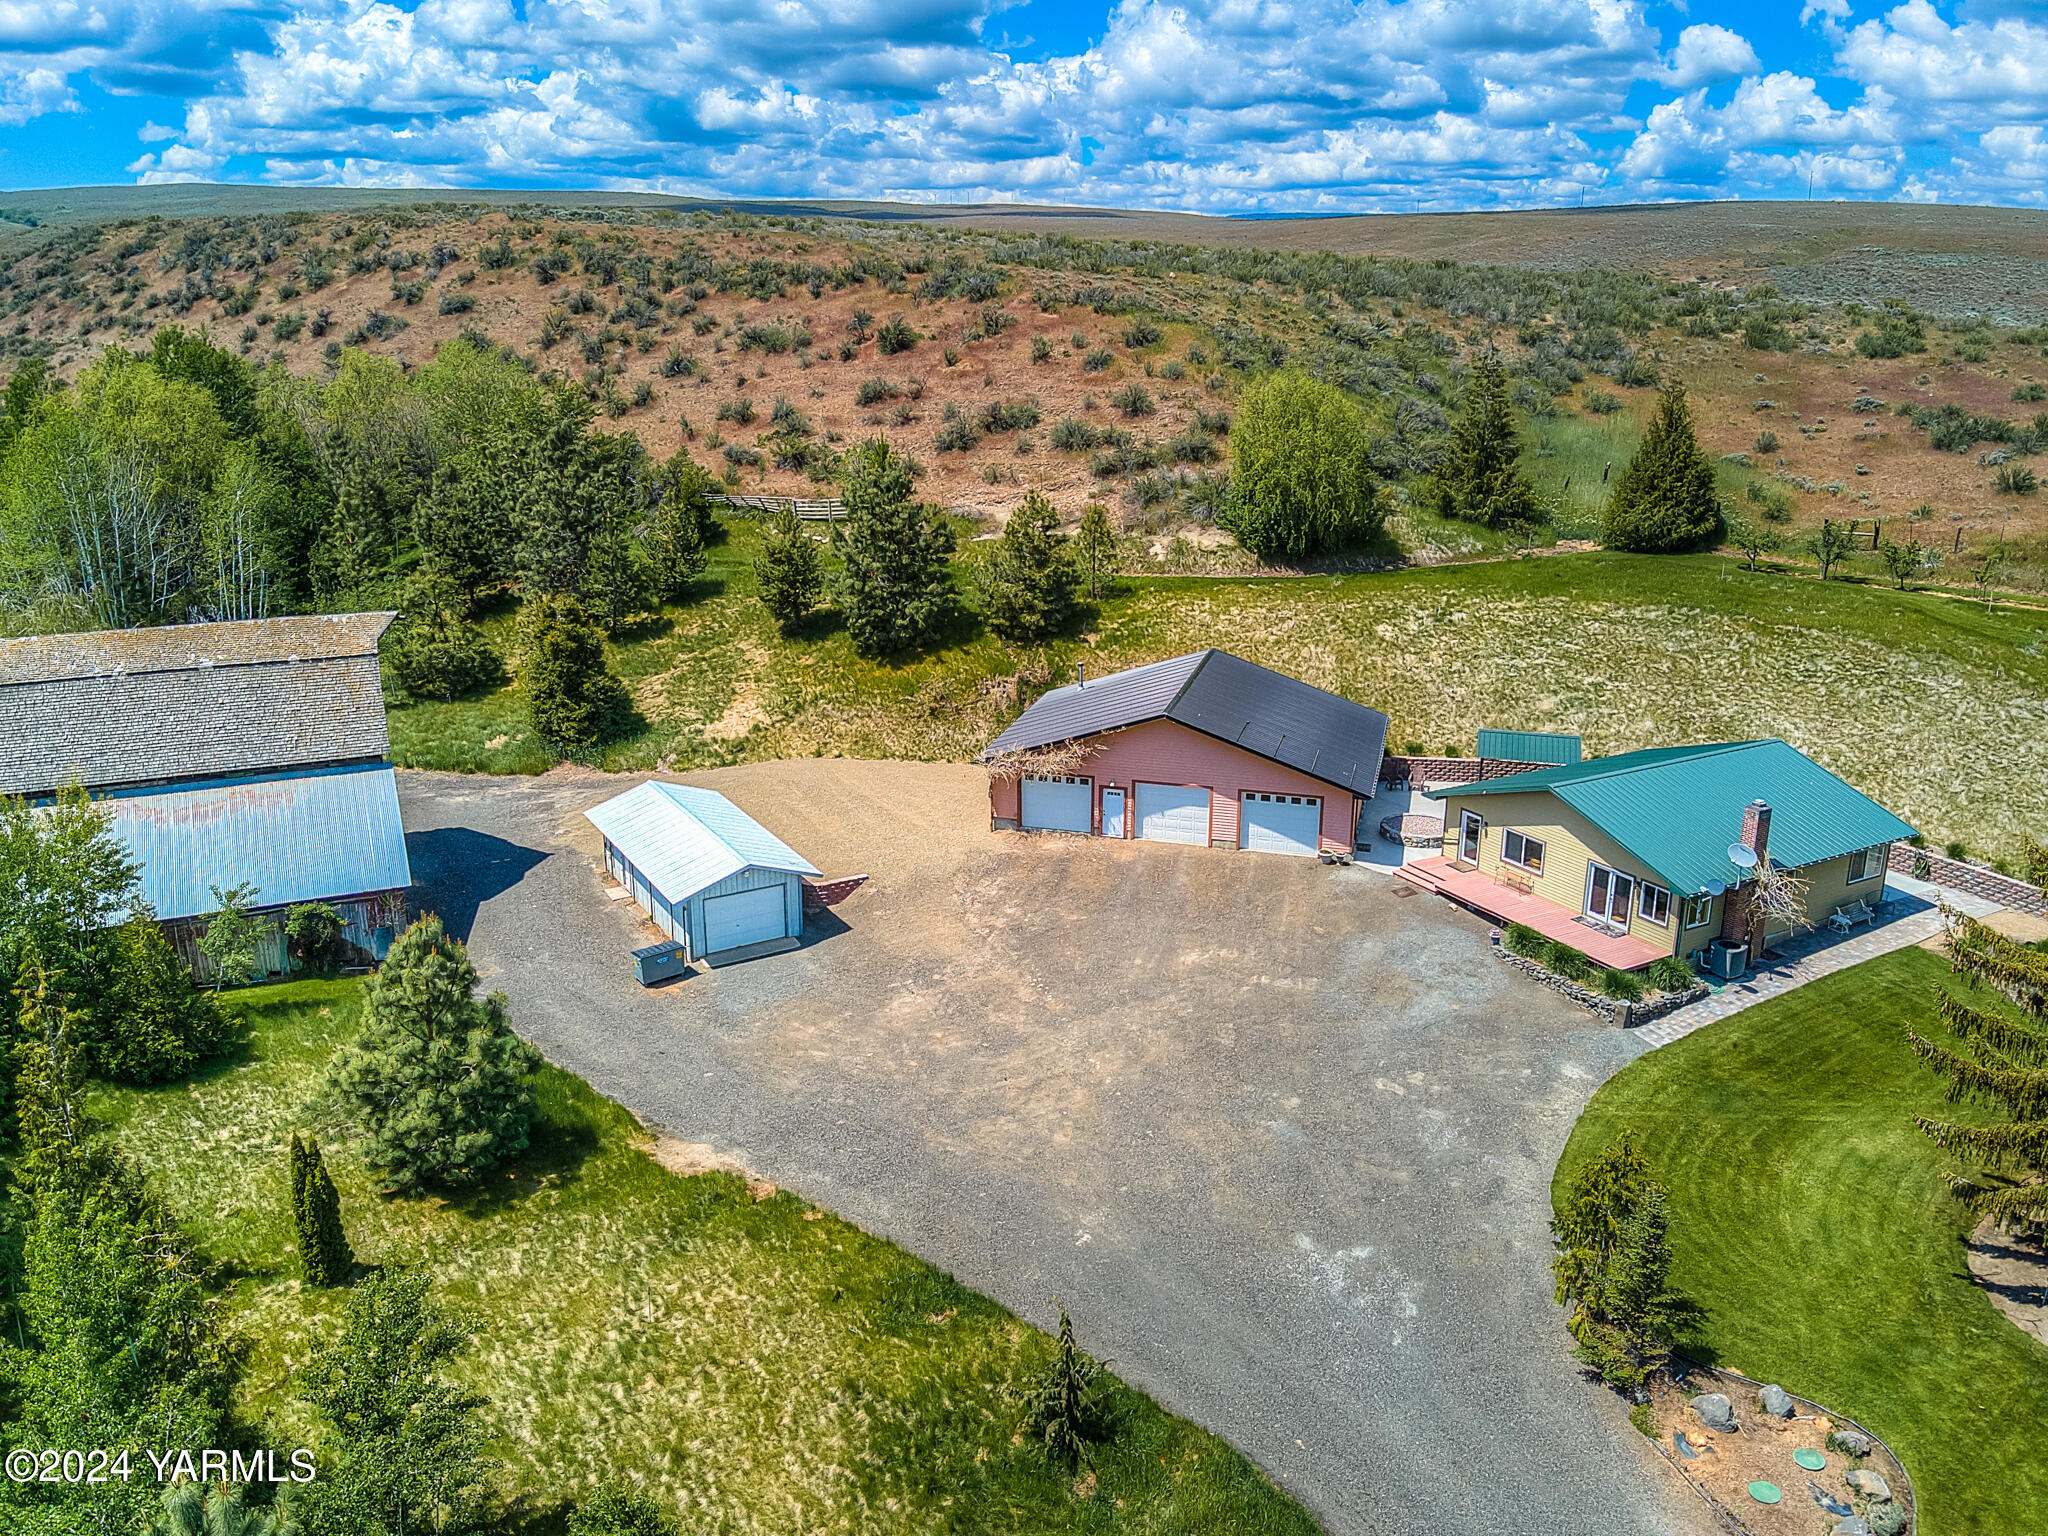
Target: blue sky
1226, 106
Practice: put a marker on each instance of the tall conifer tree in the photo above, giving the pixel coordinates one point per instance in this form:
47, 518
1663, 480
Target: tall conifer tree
894, 589
1481, 480
1665, 502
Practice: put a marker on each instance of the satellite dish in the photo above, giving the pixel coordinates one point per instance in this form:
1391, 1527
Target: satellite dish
1742, 856
1712, 888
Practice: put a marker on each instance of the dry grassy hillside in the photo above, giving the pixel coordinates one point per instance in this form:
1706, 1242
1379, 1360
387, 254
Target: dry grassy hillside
701, 328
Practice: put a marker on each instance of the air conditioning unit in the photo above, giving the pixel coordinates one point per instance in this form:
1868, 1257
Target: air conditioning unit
1727, 959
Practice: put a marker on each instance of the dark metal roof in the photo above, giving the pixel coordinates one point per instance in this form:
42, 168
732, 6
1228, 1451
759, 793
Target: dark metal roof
190, 701
1268, 713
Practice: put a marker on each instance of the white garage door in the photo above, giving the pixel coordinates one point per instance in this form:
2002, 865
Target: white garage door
1059, 805
745, 917
1172, 813
1280, 823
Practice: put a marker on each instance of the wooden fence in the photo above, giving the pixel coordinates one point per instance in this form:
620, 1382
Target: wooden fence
810, 511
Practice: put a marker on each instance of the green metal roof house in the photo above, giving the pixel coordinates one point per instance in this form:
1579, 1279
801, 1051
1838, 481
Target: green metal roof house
1632, 857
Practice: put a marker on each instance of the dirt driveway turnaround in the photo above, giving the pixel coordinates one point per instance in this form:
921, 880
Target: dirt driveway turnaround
1280, 1137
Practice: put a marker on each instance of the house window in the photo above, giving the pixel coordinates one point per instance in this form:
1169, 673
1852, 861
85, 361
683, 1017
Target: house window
1864, 863
1698, 910
1654, 902
1522, 851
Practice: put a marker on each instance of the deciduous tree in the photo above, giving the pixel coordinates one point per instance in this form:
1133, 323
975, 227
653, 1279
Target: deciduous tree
1301, 477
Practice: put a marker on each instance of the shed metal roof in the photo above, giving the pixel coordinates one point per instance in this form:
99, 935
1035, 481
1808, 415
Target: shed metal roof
684, 839
1677, 809
313, 836
190, 701
1528, 747
1319, 733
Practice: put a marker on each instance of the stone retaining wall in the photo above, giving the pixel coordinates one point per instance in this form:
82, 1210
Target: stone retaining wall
1614, 1010
1959, 875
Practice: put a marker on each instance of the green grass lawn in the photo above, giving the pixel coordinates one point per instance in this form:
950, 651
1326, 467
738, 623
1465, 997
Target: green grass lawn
762, 1365
1811, 1220
1916, 698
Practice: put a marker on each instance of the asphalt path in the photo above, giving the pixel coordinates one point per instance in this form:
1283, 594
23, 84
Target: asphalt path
1278, 1135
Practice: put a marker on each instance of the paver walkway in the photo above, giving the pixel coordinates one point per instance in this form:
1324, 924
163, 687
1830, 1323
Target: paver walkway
1911, 914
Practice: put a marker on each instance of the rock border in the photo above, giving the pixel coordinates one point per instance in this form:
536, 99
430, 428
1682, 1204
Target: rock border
1727, 1516
1616, 1011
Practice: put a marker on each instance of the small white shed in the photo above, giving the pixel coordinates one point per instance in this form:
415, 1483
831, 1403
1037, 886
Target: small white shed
705, 872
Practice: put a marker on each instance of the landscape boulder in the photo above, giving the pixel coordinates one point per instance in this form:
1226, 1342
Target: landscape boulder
1854, 1525
1870, 1484
1850, 1442
1777, 1401
1715, 1411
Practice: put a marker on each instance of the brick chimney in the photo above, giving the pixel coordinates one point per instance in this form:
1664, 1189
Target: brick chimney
1756, 828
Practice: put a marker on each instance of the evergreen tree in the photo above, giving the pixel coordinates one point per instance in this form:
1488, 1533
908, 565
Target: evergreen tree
66, 880
1665, 501
464, 522
680, 532
1063, 1405
1613, 1266
2003, 1061
572, 698
356, 543
615, 490
1095, 545
894, 589
324, 1253
1027, 586
195, 1509
435, 1084
434, 649
552, 520
410, 1449
789, 575
614, 1510
153, 1024
1481, 479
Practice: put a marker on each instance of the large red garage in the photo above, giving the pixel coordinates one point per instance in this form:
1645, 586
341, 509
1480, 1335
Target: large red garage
1207, 749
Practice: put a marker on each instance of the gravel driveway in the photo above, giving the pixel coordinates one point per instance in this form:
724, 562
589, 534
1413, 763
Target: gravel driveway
1279, 1135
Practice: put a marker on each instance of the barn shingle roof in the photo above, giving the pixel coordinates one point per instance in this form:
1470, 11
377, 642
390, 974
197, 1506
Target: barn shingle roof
190, 701
1319, 733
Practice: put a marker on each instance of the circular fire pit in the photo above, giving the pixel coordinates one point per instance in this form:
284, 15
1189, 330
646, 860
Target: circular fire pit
1413, 831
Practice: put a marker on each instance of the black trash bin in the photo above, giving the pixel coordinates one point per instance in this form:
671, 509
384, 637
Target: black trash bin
658, 962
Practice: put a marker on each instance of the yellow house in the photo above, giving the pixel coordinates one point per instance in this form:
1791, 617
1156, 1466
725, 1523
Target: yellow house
1646, 854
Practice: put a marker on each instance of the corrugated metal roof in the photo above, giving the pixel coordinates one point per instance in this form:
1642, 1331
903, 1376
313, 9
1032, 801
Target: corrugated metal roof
190, 701
313, 836
1276, 716
1676, 809
684, 839
1529, 747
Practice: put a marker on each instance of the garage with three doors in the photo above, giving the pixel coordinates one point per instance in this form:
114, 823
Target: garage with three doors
1207, 750
703, 871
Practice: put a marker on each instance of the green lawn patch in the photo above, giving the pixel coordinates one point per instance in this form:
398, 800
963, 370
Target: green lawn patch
1810, 1219
762, 1365
1917, 699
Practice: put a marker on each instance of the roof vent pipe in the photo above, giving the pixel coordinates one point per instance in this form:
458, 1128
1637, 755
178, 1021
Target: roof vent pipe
1081, 674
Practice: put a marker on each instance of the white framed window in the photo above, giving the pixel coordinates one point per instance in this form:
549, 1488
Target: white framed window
1654, 903
1864, 863
1522, 851
1699, 910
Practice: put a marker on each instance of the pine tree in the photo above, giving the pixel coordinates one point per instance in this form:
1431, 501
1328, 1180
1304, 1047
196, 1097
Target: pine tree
2003, 1062
58, 1146
893, 590
435, 1084
681, 530
153, 1024
1095, 545
324, 1253
1665, 501
1613, 1266
789, 575
1063, 1405
1027, 586
464, 522
434, 650
1481, 480
572, 698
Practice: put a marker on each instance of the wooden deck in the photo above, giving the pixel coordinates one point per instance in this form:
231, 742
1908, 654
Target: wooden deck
1504, 904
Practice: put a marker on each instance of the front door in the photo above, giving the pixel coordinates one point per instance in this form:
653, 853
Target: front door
1468, 836
1112, 813
1608, 894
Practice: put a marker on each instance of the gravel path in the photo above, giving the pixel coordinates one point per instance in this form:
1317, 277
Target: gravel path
1279, 1136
